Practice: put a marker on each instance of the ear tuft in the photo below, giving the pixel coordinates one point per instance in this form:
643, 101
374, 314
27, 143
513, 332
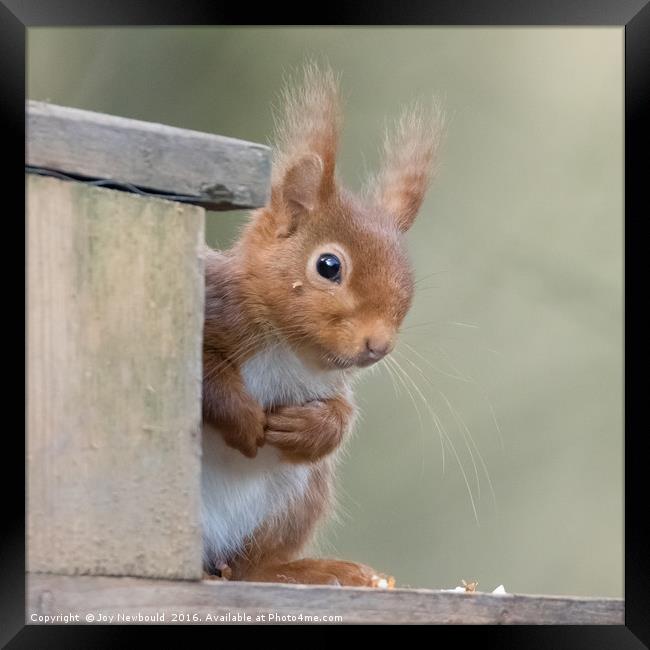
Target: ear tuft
306, 136
409, 163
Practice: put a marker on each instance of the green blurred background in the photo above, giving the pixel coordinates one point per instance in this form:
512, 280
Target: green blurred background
516, 330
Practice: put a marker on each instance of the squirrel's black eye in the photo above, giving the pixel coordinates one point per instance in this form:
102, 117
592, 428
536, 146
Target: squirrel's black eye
329, 266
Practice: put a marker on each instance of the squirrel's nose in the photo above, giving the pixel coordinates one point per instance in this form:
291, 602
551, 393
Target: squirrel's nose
376, 348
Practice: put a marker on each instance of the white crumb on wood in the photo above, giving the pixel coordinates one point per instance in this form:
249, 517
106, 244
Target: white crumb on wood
499, 591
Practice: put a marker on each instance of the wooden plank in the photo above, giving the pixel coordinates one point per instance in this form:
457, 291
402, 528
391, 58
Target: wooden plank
115, 316
161, 601
219, 173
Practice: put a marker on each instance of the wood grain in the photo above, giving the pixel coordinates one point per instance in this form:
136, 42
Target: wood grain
219, 173
195, 602
115, 317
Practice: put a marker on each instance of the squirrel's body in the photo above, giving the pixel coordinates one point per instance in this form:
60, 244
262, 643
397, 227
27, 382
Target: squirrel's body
239, 494
315, 287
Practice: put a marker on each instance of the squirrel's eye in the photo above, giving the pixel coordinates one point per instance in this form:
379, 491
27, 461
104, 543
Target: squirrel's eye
329, 266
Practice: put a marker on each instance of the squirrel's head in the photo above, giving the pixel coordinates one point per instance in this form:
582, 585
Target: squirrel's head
326, 268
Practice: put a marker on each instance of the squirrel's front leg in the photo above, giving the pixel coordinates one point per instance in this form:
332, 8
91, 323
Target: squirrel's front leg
231, 409
309, 432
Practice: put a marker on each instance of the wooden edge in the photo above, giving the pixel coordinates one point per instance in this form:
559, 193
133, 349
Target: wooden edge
115, 300
214, 171
135, 600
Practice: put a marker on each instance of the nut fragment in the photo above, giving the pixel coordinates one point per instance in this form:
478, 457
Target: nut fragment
470, 586
225, 571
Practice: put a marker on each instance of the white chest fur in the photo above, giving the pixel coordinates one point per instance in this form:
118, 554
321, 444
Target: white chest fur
277, 376
240, 493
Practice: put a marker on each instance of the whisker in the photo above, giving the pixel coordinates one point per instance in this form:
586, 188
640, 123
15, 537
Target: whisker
429, 275
493, 413
481, 390
453, 367
428, 324
483, 464
447, 438
469, 449
435, 368
417, 410
459, 419
385, 366
442, 446
410, 394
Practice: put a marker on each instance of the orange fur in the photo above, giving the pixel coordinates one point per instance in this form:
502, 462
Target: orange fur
265, 291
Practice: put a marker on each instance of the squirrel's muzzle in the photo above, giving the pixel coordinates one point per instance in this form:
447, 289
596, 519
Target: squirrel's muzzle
376, 348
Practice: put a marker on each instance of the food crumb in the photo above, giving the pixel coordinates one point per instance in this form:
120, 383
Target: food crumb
383, 582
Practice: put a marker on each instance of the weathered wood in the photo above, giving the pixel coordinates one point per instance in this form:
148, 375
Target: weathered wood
115, 311
194, 602
218, 172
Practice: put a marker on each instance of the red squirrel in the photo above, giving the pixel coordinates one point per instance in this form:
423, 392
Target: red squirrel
314, 289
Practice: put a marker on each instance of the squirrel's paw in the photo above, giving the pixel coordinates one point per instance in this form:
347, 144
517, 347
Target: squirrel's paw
247, 433
325, 572
305, 433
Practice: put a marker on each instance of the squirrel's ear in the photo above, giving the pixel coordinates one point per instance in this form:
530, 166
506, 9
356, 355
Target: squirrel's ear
306, 138
409, 160
302, 184
301, 190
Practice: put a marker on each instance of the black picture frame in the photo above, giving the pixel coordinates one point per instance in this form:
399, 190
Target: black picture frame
634, 15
